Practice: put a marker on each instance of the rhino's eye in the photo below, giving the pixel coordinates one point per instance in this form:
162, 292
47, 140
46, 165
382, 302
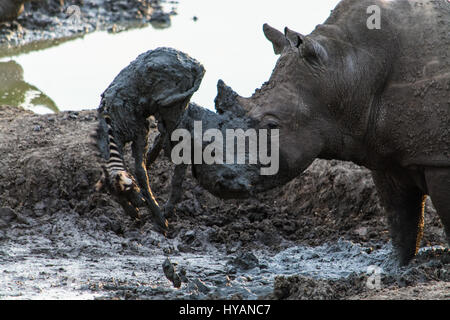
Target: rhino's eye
270, 122
272, 125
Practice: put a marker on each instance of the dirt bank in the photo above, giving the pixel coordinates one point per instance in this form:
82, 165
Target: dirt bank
59, 239
46, 23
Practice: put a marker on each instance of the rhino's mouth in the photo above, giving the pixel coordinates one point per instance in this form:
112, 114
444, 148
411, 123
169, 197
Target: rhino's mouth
224, 181
230, 190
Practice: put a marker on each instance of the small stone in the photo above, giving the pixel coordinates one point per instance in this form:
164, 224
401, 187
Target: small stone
7, 214
39, 209
183, 276
192, 287
201, 286
362, 231
246, 261
189, 236
170, 273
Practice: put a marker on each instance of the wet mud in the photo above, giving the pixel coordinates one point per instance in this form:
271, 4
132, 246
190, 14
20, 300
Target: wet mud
46, 23
321, 236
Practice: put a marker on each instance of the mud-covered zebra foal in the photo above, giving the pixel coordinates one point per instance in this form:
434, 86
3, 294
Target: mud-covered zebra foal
158, 82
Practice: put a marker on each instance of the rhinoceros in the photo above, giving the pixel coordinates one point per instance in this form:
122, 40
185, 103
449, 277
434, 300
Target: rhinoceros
377, 96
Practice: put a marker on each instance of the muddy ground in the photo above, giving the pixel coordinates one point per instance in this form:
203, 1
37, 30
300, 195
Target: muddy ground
45, 23
314, 238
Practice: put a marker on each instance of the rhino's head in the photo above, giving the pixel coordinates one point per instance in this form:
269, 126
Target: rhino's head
295, 101
304, 107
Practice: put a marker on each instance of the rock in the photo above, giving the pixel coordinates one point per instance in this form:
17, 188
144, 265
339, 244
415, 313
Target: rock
188, 237
40, 206
39, 209
170, 273
362, 231
183, 276
7, 214
245, 261
201, 286
192, 288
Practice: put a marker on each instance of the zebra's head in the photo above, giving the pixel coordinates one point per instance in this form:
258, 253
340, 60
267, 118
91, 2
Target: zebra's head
118, 181
122, 181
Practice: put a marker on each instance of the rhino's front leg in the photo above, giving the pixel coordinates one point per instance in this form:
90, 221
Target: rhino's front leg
404, 204
176, 192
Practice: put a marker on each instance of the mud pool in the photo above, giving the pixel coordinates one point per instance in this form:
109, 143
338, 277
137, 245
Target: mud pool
81, 266
59, 240
49, 272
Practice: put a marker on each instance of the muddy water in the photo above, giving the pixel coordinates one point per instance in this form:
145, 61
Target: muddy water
83, 265
79, 266
59, 240
68, 256
226, 36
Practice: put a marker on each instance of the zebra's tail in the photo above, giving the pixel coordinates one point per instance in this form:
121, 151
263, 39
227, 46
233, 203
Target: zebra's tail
114, 172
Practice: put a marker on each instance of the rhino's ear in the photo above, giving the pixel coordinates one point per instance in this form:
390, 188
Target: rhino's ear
313, 51
295, 39
309, 48
277, 38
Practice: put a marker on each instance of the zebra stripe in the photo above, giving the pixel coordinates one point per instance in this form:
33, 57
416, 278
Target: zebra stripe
115, 165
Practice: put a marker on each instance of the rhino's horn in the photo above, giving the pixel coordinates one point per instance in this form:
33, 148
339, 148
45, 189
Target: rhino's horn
226, 101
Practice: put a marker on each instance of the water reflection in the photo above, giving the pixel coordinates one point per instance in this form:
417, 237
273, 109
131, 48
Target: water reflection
9, 51
15, 91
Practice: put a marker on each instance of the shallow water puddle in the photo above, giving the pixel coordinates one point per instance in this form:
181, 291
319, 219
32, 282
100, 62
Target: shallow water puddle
226, 37
39, 274
329, 261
